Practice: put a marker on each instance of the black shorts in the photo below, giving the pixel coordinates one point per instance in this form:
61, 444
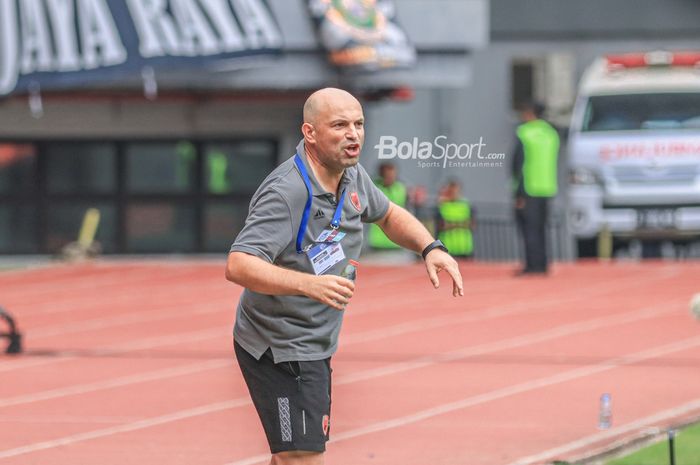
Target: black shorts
293, 400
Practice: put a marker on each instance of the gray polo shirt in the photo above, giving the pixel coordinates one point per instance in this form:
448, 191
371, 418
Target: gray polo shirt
296, 327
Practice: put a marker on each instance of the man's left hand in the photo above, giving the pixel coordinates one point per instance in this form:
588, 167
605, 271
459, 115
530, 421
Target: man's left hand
438, 260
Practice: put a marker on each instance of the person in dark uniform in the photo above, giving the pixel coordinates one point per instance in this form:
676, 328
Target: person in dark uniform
534, 174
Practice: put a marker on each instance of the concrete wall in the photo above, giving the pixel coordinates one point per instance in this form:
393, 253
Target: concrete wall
594, 19
166, 118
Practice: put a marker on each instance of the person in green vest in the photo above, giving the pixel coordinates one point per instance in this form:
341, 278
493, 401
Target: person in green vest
395, 190
534, 173
218, 179
455, 221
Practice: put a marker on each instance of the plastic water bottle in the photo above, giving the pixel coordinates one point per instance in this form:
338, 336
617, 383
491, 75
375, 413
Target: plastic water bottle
350, 270
605, 414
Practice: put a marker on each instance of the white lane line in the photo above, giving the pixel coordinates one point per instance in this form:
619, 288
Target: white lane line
504, 344
84, 279
498, 394
425, 324
137, 425
18, 364
636, 281
587, 441
400, 330
55, 419
486, 313
101, 323
138, 344
59, 275
370, 335
512, 343
173, 271
242, 401
133, 317
116, 382
378, 334
74, 285
495, 312
134, 298
169, 312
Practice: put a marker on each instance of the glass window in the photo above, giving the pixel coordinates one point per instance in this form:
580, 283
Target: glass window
167, 167
80, 167
522, 83
65, 220
160, 227
17, 168
18, 225
643, 112
237, 167
222, 223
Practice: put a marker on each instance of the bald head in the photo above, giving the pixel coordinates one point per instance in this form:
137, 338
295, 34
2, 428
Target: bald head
333, 129
325, 99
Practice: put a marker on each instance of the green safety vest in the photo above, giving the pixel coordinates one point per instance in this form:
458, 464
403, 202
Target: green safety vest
541, 148
397, 194
217, 164
218, 181
459, 241
186, 157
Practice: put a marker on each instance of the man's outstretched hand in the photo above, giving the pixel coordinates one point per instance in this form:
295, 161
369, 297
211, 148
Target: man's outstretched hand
438, 260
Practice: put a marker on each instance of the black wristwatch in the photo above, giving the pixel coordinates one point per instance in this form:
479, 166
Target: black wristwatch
434, 245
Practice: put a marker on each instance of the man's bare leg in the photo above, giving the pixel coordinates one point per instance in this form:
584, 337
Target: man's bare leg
297, 458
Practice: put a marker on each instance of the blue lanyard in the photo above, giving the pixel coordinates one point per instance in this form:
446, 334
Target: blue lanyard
335, 223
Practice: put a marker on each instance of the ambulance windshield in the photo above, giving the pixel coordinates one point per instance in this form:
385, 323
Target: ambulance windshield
635, 112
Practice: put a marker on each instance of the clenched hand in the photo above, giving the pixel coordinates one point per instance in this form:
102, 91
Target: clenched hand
331, 290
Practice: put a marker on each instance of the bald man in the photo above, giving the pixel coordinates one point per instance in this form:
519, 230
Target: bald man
303, 228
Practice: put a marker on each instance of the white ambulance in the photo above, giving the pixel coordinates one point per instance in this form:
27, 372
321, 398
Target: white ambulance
634, 150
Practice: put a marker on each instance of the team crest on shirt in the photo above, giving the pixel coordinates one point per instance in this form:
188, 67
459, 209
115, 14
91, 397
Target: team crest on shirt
355, 201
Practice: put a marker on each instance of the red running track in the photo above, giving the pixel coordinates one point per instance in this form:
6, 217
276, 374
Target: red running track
132, 363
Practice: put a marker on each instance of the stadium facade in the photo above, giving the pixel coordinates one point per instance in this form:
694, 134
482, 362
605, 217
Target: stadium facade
165, 115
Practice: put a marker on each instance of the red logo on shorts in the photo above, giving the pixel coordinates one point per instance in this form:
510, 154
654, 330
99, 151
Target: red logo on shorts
325, 424
355, 200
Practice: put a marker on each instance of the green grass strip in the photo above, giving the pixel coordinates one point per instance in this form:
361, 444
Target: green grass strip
687, 447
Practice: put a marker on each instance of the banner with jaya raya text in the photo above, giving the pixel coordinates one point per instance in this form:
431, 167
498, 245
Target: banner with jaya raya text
64, 44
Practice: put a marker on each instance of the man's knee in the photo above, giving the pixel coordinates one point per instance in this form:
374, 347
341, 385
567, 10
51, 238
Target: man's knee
297, 457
